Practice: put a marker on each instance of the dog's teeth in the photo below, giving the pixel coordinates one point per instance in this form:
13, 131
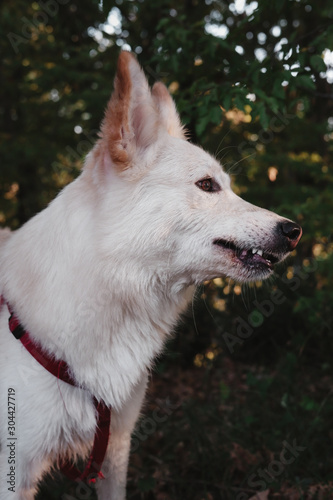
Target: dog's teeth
254, 250
259, 252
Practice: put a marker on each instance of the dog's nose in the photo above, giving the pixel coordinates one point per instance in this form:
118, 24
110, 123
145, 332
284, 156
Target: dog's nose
292, 232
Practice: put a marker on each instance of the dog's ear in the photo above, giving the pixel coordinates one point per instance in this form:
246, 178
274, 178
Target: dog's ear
169, 118
130, 124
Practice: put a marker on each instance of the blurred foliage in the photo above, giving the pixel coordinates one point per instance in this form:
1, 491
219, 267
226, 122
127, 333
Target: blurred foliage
251, 83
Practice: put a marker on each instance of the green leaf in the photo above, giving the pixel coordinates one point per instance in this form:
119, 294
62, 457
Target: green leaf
306, 82
240, 101
278, 90
162, 23
317, 63
216, 115
308, 404
263, 117
227, 102
202, 124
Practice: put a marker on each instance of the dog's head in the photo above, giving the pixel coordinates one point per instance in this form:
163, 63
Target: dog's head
166, 204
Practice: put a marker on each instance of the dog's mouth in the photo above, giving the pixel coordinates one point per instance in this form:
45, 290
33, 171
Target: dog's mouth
254, 258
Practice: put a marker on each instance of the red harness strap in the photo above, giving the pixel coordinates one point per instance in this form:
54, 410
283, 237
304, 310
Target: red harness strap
61, 371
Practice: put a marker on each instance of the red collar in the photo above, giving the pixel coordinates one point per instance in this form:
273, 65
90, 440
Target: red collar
61, 371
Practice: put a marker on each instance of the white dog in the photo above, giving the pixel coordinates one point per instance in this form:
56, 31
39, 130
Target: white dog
98, 279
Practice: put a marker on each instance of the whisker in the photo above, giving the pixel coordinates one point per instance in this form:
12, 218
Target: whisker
244, 295
223, 149
193, 313
221, 159
225, 135
248, 156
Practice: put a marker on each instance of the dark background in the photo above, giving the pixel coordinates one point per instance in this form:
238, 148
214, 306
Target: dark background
249, 373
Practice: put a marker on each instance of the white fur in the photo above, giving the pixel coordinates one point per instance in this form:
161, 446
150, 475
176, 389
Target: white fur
100, 278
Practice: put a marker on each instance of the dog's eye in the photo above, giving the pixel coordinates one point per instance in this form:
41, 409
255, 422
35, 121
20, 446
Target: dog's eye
208, 185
